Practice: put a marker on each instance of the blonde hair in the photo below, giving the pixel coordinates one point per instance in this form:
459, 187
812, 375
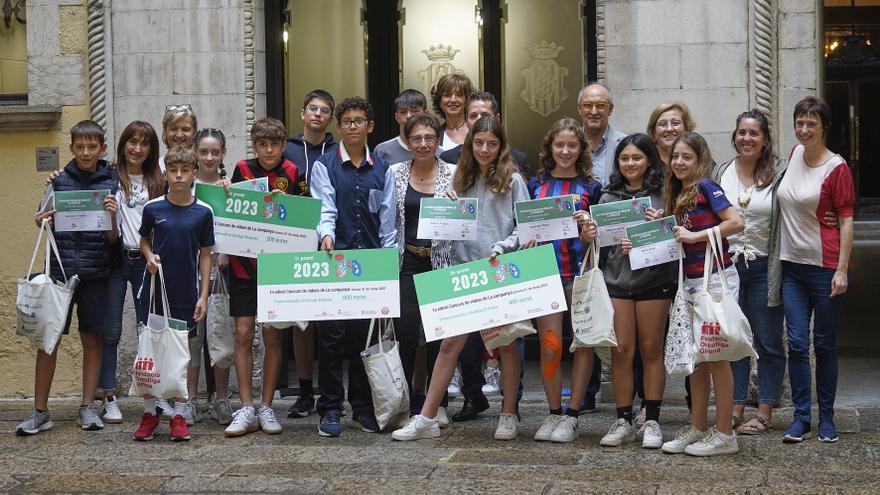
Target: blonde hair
689, 124
175, 113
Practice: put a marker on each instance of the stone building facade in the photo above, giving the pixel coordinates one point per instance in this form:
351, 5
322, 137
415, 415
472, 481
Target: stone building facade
123, 60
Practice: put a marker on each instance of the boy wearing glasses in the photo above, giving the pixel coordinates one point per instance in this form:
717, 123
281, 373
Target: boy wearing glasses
408, 103
349, 182
267, 137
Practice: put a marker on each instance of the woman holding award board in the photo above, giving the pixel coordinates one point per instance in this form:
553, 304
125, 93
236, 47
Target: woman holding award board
566, 169
700, 205
406, 183
487, 172
640, 297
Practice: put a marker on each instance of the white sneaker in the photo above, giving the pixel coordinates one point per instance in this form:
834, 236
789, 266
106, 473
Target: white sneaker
507, 428
652, 435
166, 409
191, 413
111, 413
714, 443
268, 423
243, 421
418, 427
454, 388
683, 437
493, 377
566, 431
547, 427
620, 432
442, 417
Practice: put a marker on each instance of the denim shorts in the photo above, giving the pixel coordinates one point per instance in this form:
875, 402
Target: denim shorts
90, 299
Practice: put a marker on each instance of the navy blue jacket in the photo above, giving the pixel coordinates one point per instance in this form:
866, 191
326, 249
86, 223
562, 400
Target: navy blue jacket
87, 254
303, 154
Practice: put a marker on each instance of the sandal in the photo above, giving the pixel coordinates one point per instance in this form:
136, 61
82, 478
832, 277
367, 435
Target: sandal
755, 426
735, 422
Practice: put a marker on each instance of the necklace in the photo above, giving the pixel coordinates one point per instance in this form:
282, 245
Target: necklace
455, 129
744, 196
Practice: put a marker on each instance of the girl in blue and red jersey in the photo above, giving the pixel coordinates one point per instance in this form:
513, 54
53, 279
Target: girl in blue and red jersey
566, 169
699, 205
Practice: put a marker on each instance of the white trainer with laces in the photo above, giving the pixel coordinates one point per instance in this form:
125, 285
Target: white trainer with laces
652, 435
418, 427
547, 427
566, 431
268, 422
493, 380
620, 432
683, 437
507, 428
111, 413
714, 443
442, 417
243, 421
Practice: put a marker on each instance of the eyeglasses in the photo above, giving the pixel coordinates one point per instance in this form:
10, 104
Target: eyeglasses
172, 108
426, 139
353, 123
600, 107
318, 109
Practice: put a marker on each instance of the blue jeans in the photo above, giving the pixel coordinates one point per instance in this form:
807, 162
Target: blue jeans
125, 272
805, 291
766, 323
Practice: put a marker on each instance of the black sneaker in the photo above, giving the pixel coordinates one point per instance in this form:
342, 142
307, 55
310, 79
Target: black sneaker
303, 406
367, 422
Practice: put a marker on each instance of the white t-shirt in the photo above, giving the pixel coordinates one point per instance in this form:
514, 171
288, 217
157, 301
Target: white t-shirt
755, 239
131, 210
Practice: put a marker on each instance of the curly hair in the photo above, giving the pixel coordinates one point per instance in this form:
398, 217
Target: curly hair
354, 103
584, 163
447, 85
766, 166
499, 173
681, 196
422, 119
653, 179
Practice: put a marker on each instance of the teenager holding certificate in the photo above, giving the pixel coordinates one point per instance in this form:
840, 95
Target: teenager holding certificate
566, 169
640, 297
485, 171
699, 205
406, 183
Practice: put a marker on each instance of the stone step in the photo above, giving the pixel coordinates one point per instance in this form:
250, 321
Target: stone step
867, 230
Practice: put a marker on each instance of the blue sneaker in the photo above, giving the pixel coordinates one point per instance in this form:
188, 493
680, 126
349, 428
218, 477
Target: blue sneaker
827, 431
331, 425
367, 421
797, 432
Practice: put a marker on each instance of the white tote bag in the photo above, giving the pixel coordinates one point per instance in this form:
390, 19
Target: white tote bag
494, 338
592, 314
678, 353
721, 330
42, 304
163, 353
220, 327
387, 380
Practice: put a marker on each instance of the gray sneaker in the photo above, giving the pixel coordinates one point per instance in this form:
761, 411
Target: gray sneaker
34, 423
243, 421
191, 413
268, 423
221, 410
89, 419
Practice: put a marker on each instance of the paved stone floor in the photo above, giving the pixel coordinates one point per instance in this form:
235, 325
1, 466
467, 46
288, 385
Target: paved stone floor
464, 460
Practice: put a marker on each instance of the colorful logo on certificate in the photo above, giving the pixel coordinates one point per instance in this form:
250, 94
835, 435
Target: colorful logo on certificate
96, 198
273, 208
502, 270
464, 207
563, 205
666, 226
345, 266
639, 208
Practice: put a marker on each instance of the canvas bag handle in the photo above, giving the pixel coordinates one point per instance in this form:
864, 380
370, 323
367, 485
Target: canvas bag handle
166, 308
592, 254
50, 241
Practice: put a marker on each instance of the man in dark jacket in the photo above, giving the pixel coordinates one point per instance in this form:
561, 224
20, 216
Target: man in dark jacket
89, 256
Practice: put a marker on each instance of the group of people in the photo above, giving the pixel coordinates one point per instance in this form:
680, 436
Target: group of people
786, 226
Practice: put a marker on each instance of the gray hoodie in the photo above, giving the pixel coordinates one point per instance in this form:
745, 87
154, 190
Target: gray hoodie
496, 224
619, 277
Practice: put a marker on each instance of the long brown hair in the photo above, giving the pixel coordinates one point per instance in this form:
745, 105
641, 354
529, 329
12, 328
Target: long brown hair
154, 182
765, 168
584, 164
681, 197
499, 173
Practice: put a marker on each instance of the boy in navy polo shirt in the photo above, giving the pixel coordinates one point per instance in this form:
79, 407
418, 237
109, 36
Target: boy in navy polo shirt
267, 138
349, 183
89, 255
178, 232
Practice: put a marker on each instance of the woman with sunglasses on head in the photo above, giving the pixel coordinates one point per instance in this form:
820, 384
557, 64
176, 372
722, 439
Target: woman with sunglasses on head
179, 126
140, 180
485, 171
406, 183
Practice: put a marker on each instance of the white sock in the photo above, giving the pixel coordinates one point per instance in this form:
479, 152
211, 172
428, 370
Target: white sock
150, 406
179, 407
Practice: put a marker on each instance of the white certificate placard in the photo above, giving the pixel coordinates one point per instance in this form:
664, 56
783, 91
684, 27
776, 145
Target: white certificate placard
81, 211
653, 243
448, 220
546, 219
613, 218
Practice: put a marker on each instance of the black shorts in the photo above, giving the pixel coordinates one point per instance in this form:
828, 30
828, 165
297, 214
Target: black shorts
242, 297
90, 299
665, 291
